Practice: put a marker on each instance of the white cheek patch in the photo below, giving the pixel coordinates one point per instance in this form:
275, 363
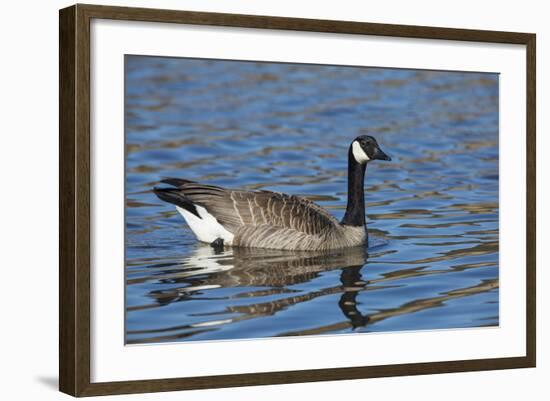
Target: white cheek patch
359, 154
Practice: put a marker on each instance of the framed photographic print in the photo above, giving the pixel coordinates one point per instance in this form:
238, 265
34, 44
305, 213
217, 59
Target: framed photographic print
279, 200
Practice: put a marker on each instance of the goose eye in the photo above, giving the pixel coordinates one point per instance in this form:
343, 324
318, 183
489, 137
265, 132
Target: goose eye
363, 143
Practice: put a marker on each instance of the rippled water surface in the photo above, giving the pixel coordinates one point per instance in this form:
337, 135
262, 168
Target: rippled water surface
432, 212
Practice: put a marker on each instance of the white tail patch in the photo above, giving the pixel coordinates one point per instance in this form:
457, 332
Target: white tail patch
359, 154
206, 228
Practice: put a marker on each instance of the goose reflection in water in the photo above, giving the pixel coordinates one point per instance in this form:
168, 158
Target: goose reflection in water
273, 270
279, 275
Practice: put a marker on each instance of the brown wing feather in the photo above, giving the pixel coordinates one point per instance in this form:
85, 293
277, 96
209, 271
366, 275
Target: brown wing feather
237, 208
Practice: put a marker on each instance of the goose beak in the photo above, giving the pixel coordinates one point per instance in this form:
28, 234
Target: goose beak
380, 155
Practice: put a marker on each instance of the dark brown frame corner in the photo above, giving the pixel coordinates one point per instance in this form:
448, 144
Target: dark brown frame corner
74, 199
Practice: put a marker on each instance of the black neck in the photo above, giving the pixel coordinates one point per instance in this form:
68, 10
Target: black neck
355, 211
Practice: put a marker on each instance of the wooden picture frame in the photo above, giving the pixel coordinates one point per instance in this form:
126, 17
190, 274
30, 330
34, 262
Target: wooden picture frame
74, 203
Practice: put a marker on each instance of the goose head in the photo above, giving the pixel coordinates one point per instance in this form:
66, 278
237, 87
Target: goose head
364, 149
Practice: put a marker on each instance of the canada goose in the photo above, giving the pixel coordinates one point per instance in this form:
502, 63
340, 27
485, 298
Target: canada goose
266, 219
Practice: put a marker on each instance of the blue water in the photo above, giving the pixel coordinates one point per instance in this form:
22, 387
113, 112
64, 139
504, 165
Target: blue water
432, 212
